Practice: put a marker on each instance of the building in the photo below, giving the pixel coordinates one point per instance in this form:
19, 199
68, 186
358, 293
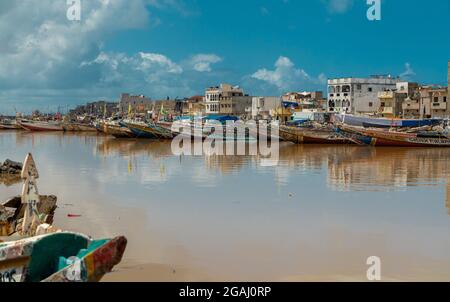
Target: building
168, 107
226, 99
448, 80
138, 103
435, 98
358, 95
391, 101
264, 106
194, 106
98, 108
235, 105
309, 100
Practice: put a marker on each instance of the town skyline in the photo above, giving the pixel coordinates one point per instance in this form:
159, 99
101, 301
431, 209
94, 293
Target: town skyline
49, 62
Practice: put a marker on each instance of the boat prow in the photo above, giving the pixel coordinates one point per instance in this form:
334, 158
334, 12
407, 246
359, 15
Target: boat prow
59, 257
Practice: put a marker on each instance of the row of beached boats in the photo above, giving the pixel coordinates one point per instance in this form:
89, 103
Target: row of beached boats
341, 129
32, 125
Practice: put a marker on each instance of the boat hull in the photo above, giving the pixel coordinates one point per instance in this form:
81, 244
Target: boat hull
50, 258
41, 126
141, 131
384, 138
371, 122
311, 136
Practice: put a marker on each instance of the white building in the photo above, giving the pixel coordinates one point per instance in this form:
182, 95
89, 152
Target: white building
263, 106
358, 95
214, 95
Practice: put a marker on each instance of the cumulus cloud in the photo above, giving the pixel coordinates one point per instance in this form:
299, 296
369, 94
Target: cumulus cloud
47, 59
203, 62
286, 76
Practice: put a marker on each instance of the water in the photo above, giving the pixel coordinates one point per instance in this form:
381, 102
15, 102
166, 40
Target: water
317, 215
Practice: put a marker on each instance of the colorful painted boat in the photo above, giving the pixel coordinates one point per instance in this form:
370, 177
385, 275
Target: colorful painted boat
41, 126
141, 130
9, 125
373, 122
118, 131
323, 135
376, 137
59, 257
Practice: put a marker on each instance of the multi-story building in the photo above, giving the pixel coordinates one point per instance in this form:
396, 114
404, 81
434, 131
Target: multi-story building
391, 101
138, 104
194, 106
226, 99
436, 98
263, 107
99, 108
306, 100
358, 95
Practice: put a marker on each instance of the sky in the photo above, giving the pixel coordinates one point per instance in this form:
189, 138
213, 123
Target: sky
177, 48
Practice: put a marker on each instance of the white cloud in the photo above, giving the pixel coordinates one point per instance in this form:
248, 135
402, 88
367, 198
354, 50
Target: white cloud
409, 73
151, 60
286, 76
203, 62
338, 6
46, 59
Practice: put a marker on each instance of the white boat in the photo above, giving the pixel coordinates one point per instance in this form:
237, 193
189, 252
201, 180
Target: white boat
41, 126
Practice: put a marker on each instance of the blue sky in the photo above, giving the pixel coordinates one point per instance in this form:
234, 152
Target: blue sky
178, 47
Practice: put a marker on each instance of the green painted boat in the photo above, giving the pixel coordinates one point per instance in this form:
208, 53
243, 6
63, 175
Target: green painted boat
59, 257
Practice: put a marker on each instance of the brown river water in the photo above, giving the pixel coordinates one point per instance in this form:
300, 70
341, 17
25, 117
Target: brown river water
316, 216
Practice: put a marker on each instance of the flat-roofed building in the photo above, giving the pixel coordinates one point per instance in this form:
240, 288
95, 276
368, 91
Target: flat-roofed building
358, 95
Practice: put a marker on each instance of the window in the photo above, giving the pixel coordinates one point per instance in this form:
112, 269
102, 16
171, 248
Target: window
445, 99
370, 89
370, 104
436, 99
358, 87
346, 88
383, 104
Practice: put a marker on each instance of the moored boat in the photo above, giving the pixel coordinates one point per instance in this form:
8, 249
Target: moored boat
141, 129
41, 126
9, 125
118, 131
322, 135
78, 127
377, 137
374, 122
59, 257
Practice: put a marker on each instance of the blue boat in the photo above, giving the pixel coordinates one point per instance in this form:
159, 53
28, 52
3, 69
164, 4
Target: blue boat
373, 122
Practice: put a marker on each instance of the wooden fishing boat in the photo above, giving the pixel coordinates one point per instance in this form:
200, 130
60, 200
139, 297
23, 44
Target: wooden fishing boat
377, 137
374, 122
59, 257
41, 126
79, 127
323, 135
142, 130
9, 125
118, 131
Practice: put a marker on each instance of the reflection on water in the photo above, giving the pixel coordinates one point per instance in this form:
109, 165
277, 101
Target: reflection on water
317, 215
